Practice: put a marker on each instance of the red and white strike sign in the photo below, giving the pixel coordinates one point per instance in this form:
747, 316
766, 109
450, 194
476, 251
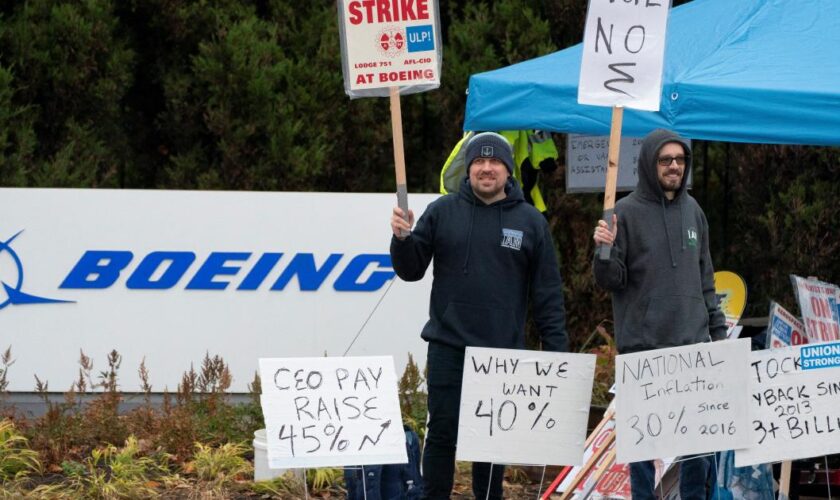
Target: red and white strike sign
387, 43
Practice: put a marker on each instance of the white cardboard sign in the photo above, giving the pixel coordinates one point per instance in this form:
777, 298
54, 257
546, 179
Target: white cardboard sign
682, 400
331, 411
388, 44
623, 50
794, 404
525, 407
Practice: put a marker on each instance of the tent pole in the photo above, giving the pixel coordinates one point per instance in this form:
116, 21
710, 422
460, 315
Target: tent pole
726, 196
706, 173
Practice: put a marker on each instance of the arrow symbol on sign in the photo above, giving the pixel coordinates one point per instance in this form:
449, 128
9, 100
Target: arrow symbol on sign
374, 442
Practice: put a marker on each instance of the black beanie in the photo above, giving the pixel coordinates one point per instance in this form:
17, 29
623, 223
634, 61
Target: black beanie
489, 145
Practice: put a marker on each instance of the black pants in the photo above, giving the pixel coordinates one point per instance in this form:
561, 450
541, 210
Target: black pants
446, 368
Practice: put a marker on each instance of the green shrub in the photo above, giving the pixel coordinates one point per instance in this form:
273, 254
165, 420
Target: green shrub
16, 458
222, 464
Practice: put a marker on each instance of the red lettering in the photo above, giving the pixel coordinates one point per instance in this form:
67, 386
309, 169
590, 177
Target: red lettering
383, 15
355, 13
403, 76
422, 9
408, 9
369, 9
387, 11
812, 330
820, 307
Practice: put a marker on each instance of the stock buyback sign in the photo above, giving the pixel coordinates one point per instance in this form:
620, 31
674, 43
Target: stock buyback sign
170, 276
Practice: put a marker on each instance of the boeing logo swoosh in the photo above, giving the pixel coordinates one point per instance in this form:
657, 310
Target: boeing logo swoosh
14, 294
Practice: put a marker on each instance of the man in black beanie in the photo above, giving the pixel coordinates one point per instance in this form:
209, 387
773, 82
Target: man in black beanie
492, 251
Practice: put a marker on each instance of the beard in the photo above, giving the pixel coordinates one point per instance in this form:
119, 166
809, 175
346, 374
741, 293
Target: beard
671, 183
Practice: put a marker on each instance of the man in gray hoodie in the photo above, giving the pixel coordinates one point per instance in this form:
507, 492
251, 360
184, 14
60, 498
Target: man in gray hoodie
661, 277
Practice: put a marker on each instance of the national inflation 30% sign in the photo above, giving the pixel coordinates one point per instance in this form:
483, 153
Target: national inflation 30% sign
694, 392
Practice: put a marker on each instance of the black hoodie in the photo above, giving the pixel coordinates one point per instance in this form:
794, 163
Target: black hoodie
660, 271
488, 258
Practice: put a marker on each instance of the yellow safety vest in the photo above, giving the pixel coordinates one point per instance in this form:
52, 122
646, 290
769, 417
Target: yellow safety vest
535, 146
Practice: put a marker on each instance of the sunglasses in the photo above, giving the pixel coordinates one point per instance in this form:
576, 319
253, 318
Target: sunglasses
666, 160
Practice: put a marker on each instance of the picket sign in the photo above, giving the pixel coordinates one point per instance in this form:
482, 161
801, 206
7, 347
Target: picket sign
623, 53
817, 303
682, 400
783, 328
331, 411
390, 48
524, 407
795, 403
621, 71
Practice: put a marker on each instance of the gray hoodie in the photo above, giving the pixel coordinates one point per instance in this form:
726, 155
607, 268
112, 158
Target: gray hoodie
660, 271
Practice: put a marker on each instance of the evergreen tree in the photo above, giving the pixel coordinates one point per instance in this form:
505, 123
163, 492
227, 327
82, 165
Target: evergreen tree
71, 70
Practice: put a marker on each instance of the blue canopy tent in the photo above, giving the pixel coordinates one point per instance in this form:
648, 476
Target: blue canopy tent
758, 71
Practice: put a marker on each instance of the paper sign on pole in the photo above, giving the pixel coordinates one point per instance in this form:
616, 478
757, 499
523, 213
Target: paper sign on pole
389, 44
815, 302
795, 404
682, 400
784, 329
526, 407
331, 411
623, 50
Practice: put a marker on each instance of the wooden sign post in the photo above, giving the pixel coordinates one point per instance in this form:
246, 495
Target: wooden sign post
612, 174
621, 66
399, 153
391, 50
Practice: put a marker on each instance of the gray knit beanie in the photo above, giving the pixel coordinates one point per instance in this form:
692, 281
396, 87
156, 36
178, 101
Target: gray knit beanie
489, 145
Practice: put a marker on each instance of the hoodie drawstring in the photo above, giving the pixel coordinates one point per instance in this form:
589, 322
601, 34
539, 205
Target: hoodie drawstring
469, 239
682, 225
668, 233
501, 231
